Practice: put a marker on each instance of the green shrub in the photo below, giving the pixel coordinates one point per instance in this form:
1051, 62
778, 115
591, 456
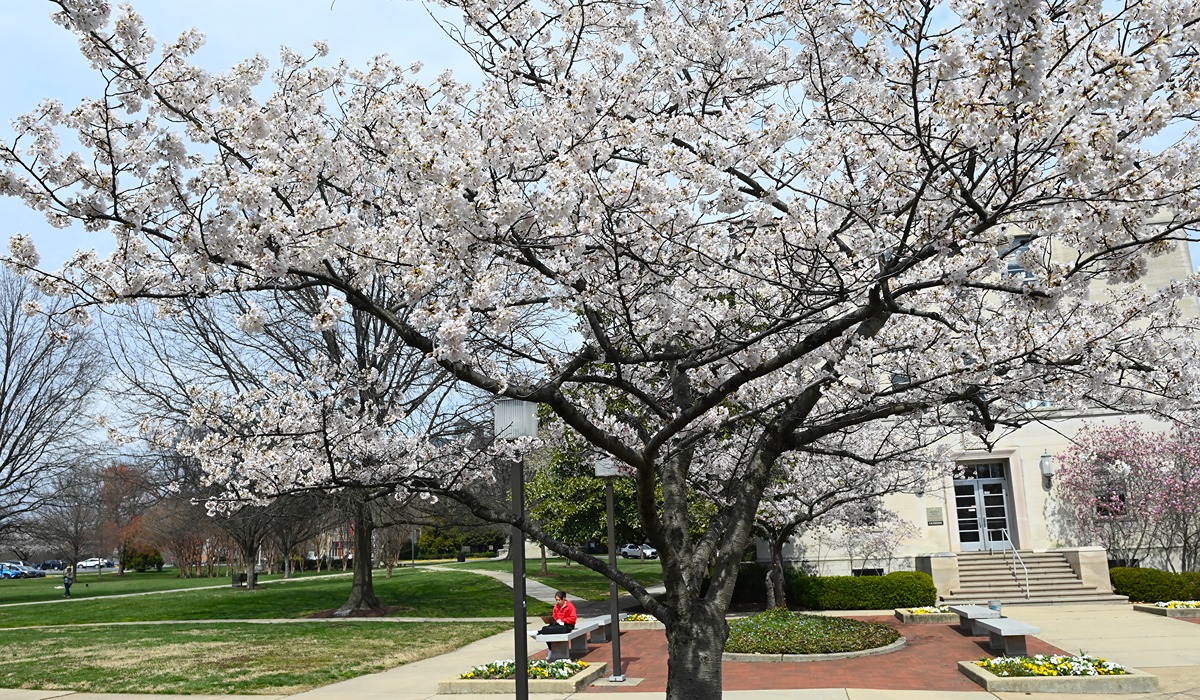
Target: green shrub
142, 559
899, 589
780, 631
1153, 585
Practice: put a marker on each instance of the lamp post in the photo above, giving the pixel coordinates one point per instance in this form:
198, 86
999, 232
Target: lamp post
515, 419
607, 469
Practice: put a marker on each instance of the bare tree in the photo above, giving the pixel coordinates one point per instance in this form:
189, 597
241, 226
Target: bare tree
68, 522
47, 376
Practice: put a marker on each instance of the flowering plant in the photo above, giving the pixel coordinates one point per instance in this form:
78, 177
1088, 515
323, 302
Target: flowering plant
639, 617
1179, 604
1052, 665
538, 668
929, 610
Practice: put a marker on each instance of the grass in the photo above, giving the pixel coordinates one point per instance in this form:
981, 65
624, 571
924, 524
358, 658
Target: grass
414, 592
578, 581
780, 631
226, 658
89, 584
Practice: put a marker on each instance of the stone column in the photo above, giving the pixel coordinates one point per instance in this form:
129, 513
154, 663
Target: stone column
943, 567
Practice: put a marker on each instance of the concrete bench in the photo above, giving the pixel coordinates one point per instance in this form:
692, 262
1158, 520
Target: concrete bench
604, 632
1008, 635
969, 617
561, 645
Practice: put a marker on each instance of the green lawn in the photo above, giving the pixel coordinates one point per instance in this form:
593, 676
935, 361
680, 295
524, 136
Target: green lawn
235, 658
578, 581
414, 592
90, 584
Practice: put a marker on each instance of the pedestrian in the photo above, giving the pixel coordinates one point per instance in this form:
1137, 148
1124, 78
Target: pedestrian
67, 581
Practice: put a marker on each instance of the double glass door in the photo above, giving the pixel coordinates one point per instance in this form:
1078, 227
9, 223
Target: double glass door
981, 507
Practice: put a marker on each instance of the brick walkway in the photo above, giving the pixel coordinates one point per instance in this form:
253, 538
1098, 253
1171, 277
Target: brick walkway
929, 661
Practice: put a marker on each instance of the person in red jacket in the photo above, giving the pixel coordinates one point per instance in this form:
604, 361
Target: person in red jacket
564, 615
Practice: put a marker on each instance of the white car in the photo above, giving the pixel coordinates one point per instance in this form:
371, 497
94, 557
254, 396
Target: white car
638, 551
92, 563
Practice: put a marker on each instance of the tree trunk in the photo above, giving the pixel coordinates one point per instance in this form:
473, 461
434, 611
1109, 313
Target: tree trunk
776, 596
545, 570
695, 644
362, 592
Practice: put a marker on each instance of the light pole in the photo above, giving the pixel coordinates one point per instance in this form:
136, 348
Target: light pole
515, 419
607, 469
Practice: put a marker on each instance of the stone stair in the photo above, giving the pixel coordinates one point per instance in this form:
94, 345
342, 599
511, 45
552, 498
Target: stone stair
985, 576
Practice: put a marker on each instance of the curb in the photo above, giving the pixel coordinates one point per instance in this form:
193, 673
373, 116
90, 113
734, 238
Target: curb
483, 686
801, 658
1134, 682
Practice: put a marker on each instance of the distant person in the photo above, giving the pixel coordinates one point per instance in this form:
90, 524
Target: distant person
563, 615
68, 579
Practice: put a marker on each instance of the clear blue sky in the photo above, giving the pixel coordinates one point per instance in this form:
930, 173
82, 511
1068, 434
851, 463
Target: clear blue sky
41, 60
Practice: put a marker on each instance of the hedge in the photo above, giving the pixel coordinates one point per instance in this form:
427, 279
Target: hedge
1153, 585
899, 589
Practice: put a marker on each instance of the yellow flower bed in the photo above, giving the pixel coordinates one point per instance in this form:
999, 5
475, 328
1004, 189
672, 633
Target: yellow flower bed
1051, 665
929, 610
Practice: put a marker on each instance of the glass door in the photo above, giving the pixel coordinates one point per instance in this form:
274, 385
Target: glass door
981, 507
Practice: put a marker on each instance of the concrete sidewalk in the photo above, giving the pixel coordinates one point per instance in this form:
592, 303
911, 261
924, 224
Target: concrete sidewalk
1165, 647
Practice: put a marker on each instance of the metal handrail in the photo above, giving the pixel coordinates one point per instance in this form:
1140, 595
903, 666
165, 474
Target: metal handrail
1016, 560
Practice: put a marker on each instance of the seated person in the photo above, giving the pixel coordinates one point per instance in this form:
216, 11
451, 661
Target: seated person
563, 615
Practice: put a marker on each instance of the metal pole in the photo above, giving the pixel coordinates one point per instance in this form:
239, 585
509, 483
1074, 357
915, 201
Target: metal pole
618, 674
520, 616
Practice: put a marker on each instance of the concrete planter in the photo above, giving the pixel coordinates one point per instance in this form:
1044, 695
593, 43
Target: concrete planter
484, 686
1168, 612
627, 625
798, 658
909, 618
1134, 682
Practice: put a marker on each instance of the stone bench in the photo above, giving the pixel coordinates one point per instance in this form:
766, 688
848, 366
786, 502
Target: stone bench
561, 645
970, 616
604, 632
1008, 635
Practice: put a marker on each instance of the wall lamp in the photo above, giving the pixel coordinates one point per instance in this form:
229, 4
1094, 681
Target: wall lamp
1047, 465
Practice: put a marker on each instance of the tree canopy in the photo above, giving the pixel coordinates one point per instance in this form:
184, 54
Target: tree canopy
705, 235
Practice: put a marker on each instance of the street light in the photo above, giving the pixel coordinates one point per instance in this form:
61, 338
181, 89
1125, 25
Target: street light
516, 419
607, 469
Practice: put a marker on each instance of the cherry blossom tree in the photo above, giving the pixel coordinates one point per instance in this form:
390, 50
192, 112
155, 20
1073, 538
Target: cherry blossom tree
1133, 491
703, 234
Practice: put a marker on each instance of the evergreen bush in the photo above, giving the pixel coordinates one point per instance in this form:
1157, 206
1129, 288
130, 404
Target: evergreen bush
1154, 585
899, 589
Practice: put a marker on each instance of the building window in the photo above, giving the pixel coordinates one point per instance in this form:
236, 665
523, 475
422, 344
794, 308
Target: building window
866, 572
981, 470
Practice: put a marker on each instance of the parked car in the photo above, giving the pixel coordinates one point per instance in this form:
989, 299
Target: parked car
54, 565
93, 563
9, 571
25, 569
639, 551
